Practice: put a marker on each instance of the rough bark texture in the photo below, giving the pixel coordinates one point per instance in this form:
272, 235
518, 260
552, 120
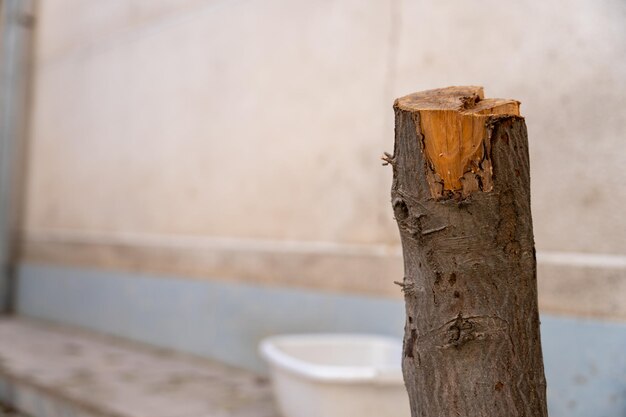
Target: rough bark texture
471, 345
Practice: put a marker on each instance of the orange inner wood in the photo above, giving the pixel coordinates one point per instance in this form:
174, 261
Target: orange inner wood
453, 125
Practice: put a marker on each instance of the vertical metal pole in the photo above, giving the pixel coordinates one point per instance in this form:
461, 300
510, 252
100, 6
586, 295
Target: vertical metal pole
15, 37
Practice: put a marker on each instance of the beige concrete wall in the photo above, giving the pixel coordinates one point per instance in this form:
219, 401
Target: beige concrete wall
264, 120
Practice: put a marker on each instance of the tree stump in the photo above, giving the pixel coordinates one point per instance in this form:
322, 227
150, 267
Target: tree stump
461, 198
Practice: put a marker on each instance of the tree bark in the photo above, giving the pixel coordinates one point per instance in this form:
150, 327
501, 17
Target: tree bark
461, 198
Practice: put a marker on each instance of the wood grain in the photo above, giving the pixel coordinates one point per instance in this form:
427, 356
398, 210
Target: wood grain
471, 345
454, 131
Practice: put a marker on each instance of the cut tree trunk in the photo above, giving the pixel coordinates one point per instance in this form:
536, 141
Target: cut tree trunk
461, 197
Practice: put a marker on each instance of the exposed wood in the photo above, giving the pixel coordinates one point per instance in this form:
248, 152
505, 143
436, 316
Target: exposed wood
453, 128
461, 198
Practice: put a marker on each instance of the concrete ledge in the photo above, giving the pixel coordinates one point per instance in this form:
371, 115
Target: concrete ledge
342, 268
49, 371
583, 285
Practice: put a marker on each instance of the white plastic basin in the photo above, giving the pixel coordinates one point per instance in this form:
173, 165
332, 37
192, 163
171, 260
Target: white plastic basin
336, 375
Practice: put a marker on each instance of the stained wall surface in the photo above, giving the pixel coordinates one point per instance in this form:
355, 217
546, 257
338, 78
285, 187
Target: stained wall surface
241, 140
266, 119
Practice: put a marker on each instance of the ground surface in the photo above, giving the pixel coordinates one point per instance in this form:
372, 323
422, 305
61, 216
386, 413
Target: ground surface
47, 371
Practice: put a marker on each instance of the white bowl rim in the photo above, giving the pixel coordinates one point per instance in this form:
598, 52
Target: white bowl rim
330, 373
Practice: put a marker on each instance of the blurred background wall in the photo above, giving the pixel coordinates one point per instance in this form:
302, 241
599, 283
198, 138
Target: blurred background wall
200, 174
258, 126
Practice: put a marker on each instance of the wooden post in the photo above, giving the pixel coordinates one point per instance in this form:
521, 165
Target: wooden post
461, 198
